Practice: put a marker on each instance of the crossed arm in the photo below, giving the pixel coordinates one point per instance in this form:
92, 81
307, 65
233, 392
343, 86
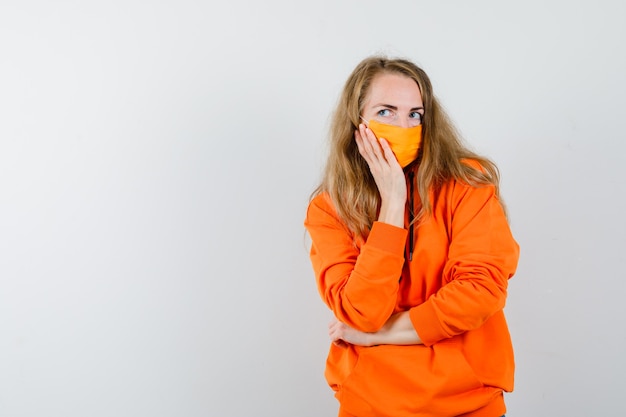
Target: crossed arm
398, 330
390, 180
481, 259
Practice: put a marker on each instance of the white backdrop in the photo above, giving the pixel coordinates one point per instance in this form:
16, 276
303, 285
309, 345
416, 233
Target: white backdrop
156, 160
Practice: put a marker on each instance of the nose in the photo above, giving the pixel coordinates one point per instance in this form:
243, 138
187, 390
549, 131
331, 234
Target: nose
403, 122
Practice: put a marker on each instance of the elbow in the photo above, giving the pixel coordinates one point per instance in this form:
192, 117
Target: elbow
366, 311
365, 320
490, 305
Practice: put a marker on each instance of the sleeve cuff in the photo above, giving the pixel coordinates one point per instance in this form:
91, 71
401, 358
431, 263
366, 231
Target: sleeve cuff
427, 323
387, 237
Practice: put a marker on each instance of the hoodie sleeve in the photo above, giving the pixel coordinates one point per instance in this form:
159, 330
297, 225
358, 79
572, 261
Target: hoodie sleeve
358, 283
482, 257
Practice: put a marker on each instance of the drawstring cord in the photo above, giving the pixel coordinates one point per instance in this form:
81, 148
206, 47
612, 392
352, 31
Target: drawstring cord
411, 215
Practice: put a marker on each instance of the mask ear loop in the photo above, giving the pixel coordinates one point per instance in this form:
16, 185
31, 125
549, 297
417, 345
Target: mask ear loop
366, 122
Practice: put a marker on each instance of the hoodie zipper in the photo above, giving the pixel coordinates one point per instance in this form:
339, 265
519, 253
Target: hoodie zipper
411, 215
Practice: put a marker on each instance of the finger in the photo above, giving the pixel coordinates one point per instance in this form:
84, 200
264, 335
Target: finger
334, 335
374, 143
371, 148
334, 329
340, 343
364, 148
366, 144
390, 157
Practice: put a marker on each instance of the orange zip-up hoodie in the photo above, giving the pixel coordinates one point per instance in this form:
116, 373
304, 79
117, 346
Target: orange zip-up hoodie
454, 287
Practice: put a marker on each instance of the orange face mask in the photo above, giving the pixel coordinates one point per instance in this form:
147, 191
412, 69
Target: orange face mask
404, 141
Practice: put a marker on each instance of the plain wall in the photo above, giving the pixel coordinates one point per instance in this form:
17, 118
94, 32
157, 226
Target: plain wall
156, 160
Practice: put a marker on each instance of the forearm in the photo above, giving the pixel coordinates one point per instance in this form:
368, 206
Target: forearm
398, 330
359, 283
392, 213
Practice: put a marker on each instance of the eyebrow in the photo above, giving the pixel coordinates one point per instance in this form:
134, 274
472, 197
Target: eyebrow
395, 108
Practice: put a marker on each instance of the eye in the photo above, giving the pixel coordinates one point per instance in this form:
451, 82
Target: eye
416, 115
384, 113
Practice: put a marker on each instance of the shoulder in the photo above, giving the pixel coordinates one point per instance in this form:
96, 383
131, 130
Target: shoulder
321, 207
475, 185
474, 164
322, 201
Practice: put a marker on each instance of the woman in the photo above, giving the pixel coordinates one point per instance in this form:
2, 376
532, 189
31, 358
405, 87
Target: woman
412, 252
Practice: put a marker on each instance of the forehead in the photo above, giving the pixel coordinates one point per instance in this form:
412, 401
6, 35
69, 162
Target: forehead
395, 89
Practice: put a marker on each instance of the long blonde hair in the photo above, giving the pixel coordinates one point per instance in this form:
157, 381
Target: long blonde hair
442, 157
